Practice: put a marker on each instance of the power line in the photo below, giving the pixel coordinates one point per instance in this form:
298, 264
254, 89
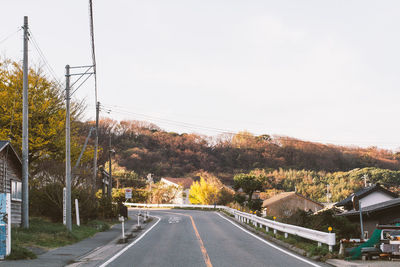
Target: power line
191, 126
44, 59
9, 36
173, 122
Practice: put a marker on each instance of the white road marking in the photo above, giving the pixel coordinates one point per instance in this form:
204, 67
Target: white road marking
131, 244
174, 219
270, 244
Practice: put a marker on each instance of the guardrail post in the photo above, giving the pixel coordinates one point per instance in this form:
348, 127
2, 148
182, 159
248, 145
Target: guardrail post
319, 244
286, 235
330, 248
267, 228
275, 231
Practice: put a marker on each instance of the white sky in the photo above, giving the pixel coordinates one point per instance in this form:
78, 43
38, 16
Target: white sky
324, 71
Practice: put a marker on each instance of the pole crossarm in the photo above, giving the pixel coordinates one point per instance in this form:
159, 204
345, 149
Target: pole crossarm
81, 67
83, 73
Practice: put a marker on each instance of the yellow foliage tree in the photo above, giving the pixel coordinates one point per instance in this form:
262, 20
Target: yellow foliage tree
209, 190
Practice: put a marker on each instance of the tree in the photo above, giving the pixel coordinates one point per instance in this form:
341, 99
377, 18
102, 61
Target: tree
248, 182
46, 114
209, 190
162, 193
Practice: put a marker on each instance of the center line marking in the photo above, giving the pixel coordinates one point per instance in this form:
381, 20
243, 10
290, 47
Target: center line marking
202, 247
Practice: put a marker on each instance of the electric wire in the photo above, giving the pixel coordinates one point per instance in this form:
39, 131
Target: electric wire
9, 36
44, 59
191, 126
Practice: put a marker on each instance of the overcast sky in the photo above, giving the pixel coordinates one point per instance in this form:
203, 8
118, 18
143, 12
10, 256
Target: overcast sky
325, 71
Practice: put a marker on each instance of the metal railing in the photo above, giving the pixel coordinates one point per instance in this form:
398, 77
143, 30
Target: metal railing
310, 234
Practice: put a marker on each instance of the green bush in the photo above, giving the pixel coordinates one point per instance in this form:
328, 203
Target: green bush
321, 221
47, 201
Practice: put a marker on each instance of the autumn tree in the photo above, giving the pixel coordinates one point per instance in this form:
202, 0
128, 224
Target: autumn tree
162, 193
209, 190
46, 114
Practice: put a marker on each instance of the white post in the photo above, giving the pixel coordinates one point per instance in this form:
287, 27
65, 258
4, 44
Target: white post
123, 227
78, 221
275, 231
319, 244
330, 248
64, 206
286, 235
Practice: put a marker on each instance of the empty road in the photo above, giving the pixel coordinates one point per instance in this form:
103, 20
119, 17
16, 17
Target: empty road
201, 238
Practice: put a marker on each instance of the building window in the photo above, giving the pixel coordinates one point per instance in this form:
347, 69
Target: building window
16, 190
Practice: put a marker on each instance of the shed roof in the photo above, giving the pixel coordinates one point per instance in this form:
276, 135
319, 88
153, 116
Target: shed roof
284, 195
4, 144
364, 192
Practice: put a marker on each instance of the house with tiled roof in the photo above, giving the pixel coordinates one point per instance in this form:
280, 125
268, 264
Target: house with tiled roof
376, 204
286, 203
368, 196
183, 185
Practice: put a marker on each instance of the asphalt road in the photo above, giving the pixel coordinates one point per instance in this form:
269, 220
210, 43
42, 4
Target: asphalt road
197, 238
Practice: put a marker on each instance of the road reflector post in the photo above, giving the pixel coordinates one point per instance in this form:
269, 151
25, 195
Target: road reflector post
122, 220
78, 221
330, 229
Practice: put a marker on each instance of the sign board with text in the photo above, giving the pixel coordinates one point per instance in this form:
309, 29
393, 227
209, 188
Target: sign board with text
128, 193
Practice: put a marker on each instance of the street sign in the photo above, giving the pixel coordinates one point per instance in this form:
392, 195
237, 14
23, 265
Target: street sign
128, 193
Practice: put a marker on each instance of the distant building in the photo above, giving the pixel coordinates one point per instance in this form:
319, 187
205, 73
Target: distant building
10, 179
367, 196
183, 185
286, 203
378, 206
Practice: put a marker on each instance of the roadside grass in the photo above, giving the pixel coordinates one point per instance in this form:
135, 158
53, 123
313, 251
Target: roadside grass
45, 235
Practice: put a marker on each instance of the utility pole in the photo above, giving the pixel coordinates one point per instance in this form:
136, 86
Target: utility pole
328, 196
25, 140
68, 151
361, 220
365, 176
110, 183
96, 144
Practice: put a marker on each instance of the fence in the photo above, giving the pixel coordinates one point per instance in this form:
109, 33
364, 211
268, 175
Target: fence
319, 236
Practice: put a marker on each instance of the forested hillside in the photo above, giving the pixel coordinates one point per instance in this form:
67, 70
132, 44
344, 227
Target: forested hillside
145, 148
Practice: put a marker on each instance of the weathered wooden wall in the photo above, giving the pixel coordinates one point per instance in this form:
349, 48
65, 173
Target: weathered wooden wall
10, 169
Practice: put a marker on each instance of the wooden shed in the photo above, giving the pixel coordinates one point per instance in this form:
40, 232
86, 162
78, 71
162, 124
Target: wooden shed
10, 179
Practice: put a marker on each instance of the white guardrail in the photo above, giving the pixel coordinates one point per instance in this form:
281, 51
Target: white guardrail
320, 237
